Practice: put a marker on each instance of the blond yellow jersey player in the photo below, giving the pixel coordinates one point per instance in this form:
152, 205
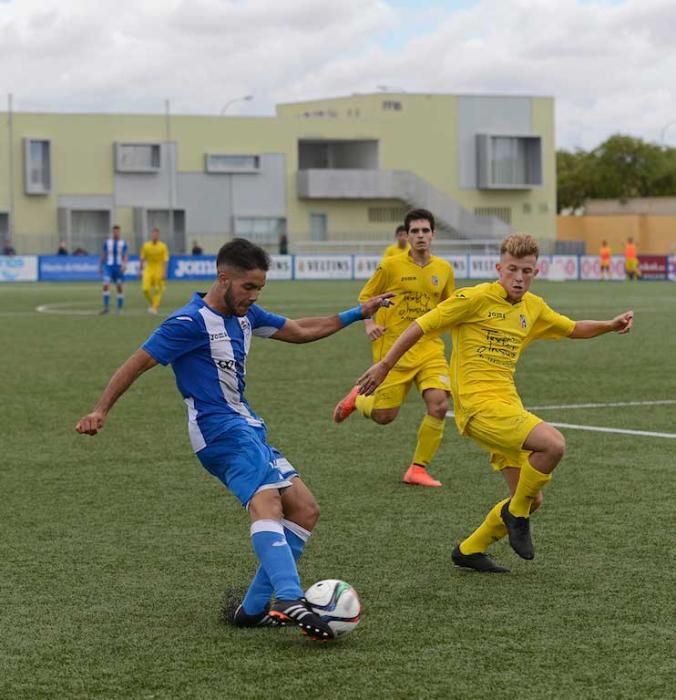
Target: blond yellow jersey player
419, 281
154, 260
401, 246
491, 324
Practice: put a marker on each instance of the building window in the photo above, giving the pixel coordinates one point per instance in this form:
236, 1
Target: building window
509, 162
221, 163
38, 166
318, 227
502, 213
389, 215
392, 106
260, 229
137, 157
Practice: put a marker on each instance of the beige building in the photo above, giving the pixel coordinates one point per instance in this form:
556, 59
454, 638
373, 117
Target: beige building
650, 221
341, 169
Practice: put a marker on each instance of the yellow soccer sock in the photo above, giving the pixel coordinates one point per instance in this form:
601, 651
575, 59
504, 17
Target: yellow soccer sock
430, 433
531, 482
364, 405
491, 530
148, 295
157, 298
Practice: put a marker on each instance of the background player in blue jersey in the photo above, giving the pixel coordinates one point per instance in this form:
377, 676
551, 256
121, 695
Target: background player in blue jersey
207, 342
114, 257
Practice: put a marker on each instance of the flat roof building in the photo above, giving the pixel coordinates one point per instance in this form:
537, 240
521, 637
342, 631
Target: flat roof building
338, 169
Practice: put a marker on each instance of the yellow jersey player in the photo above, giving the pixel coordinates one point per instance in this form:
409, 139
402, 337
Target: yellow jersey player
401, 246
419, 281
154, 259
491, 324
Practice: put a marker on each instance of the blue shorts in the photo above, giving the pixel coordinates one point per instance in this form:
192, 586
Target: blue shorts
113, 273
242, 459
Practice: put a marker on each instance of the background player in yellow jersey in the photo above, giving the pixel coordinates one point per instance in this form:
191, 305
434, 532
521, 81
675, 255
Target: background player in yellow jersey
419, 281
154, 260
490, 326
401, 246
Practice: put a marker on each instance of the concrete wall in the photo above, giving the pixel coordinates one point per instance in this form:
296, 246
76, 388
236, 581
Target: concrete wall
652, 234
656, 206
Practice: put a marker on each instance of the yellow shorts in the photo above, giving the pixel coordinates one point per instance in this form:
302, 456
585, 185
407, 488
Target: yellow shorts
152, 279
631, 264
432, 374
501, 429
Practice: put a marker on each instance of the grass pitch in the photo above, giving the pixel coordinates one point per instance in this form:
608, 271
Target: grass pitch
115, 550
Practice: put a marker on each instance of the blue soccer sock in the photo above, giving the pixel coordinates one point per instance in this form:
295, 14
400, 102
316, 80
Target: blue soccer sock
276, 558
260, 591
120, 301
106, 300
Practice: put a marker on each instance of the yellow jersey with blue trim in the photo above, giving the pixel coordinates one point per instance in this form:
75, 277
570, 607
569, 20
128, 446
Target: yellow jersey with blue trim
417, 289
489, 333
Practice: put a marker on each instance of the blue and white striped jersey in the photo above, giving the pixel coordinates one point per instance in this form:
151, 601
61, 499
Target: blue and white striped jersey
114, 251
208, 352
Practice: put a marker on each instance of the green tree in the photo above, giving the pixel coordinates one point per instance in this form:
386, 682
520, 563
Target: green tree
572, 179
622, 167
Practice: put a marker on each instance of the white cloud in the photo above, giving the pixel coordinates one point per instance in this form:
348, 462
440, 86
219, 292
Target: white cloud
609, 65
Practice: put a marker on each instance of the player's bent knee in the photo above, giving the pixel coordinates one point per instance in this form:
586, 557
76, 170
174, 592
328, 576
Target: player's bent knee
438, 410
307, 515
557, 446
384, 416
266, 505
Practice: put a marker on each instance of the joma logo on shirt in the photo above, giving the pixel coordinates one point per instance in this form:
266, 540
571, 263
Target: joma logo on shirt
409, 279
496, 314
218, 336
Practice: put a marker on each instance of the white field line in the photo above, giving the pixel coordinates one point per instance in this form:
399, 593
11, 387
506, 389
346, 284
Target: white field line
599, 429
603, 405
66, 309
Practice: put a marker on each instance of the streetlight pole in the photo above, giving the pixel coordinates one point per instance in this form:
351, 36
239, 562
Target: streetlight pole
245, 98
663, 133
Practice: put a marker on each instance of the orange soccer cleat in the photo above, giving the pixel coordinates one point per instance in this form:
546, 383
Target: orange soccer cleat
417, 475
346, 406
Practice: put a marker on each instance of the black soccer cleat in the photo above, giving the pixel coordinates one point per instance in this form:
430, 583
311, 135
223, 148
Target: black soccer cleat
518, 529
298, 612
477, 562
242, 619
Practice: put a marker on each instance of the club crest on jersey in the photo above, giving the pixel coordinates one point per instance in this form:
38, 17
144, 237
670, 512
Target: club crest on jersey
522, 318
435, 280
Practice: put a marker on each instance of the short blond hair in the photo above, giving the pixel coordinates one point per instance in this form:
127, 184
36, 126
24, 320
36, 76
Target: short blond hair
520, 245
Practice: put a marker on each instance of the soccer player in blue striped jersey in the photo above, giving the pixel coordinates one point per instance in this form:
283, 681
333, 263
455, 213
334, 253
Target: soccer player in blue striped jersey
114, 258
207, 342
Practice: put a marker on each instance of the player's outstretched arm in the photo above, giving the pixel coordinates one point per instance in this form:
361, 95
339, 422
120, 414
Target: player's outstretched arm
374, 375
590, 329
123, 378
305, 330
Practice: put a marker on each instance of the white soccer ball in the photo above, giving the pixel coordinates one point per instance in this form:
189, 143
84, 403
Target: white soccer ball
337, 603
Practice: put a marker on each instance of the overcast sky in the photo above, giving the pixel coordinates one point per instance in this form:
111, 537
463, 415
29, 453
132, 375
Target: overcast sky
610, 64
